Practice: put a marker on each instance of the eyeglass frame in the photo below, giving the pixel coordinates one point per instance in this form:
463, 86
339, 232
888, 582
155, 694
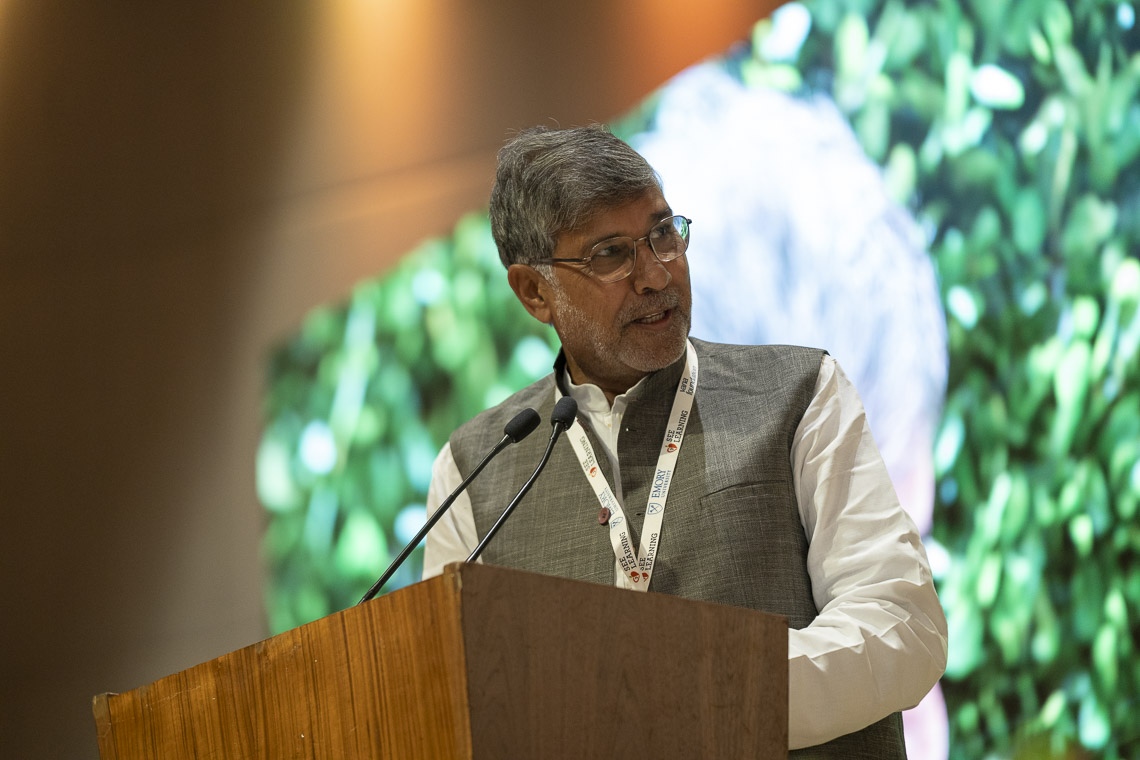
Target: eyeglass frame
632, 259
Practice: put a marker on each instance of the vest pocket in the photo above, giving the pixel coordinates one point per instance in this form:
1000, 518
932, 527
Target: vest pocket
755, 543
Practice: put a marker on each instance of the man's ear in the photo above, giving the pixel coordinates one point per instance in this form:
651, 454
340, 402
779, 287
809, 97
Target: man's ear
532, 290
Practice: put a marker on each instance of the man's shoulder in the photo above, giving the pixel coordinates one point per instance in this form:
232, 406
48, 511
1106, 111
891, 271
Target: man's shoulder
773, 376
739, 355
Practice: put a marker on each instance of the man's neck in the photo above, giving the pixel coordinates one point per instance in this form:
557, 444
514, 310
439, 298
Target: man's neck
610, 393
566, 371
611, 388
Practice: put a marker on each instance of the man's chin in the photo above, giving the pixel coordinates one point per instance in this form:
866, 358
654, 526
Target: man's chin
654, 355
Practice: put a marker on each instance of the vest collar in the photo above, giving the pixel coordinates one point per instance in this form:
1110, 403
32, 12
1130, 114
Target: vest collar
663, 381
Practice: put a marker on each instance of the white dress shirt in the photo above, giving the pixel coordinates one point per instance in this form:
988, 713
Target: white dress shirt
879, 641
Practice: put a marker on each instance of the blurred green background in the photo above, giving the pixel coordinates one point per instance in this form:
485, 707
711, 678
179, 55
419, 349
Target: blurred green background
1011, 129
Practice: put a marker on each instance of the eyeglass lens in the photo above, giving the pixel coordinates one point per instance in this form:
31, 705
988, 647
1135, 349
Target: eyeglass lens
615, 256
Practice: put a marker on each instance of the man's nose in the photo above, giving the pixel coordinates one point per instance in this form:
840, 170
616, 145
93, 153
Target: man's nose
649, 272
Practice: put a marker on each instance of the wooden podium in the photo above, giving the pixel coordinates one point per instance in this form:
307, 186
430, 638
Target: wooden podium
480, 662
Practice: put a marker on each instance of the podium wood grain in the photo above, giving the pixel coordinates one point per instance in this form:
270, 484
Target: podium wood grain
481, 662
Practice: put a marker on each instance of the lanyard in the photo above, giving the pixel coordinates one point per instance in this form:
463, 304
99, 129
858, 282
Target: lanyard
637, 569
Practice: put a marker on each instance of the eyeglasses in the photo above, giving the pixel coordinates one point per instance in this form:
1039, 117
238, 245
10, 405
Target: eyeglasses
612, 260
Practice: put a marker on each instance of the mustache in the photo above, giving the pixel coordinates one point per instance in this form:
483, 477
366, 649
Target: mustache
649, 304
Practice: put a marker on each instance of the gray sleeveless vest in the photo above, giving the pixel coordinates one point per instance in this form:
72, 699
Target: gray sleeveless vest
732, 532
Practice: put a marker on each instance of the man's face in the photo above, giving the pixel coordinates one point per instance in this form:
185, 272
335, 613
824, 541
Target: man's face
616, 333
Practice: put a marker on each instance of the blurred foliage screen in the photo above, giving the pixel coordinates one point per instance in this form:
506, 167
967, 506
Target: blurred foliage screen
1010, 130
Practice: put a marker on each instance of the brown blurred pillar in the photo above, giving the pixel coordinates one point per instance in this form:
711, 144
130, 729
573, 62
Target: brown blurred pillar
179, 184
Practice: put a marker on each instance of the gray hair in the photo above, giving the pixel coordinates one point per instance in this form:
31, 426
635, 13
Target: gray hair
551, 181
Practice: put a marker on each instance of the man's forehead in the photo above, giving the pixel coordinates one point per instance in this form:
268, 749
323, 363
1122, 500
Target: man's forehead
610, 220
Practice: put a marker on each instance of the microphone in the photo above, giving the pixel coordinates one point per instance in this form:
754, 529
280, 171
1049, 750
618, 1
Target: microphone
520, 426
561, 418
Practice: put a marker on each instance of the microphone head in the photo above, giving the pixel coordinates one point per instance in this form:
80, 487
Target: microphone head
522, 425
564, 412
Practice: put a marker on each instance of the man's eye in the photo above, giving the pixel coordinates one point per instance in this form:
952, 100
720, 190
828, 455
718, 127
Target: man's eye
613, 252
661, 230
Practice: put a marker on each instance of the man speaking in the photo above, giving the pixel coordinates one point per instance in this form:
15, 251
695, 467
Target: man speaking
743, 475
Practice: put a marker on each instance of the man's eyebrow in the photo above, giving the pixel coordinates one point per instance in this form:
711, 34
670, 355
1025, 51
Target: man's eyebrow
652, 216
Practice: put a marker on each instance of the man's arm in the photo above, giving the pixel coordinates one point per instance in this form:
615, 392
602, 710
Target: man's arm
879, 642
453, 538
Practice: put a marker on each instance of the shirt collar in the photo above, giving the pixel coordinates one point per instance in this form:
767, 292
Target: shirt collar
590, 397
